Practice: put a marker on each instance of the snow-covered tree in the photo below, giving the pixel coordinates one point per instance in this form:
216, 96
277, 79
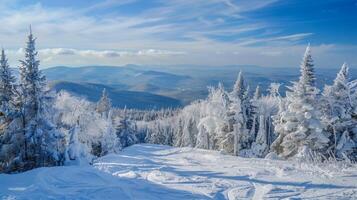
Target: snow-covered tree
32, 81
190, 117
274, 89
41, 137
7, 86
257, 93
241, 110
95, 132
31, 139
110, 142
104, 104
74, 149
124, 130
298, 126
260, 146
265, 107
337, 112
211, 128
254, 112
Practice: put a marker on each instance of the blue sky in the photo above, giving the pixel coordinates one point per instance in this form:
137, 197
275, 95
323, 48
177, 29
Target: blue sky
200, 32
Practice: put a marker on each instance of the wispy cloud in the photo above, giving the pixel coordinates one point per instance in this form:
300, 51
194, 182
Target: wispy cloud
284, 38
168, 32
106, 4
104, 53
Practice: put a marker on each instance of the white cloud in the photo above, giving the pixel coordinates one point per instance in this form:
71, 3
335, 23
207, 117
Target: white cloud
175, 32
212, 54
149, 52
57, 51
104, 53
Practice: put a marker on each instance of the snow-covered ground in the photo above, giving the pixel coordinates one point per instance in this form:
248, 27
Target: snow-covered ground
161, 172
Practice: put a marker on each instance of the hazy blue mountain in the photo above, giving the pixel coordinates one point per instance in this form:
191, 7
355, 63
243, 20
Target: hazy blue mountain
123, 77
183, 82
254, 75
120, 98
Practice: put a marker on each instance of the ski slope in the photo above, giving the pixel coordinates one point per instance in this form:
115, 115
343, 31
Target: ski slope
160, 172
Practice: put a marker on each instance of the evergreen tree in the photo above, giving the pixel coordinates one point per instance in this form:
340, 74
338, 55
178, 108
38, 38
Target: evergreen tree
189, 132
41, 138
298, 126
110, 142
11, 139
74, 148
124, 131
257, 93
337, 113
32, 81
104, 104
212, 124
239, 88
7, 86
260, 146
241, 110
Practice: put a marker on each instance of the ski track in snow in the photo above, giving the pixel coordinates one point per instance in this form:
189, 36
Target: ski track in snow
160, 172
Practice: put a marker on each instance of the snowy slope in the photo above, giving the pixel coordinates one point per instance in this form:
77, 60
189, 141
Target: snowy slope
162, 172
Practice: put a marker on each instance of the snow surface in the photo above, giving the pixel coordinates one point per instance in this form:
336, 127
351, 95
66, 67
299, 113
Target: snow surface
161, 172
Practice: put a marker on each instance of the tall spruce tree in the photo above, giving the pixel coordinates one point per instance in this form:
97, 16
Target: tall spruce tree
42, 141
298, 126
240, 110
7, 86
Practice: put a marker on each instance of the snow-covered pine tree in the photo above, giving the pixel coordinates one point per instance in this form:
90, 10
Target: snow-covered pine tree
260, 146
11, 139
178, 131
265, 108
110, 142
240, 110
253, 111
337, 114
190, 117
298, 126
7, 86
41, 138
269, 107
104, 104
124, 131
239, 88
257, 93
274, 89
212, 125
74, 149
189, 130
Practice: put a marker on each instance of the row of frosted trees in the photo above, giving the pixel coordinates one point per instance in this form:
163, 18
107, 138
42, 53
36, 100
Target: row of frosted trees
40, 128
305, 123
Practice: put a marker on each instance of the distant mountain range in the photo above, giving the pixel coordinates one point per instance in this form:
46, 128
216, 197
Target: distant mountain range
120, 98
124, 77
168, 86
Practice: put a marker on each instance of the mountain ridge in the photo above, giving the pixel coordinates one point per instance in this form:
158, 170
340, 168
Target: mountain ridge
119, 98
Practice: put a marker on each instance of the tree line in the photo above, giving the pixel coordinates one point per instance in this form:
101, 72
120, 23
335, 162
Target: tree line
41, 128
305, 123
